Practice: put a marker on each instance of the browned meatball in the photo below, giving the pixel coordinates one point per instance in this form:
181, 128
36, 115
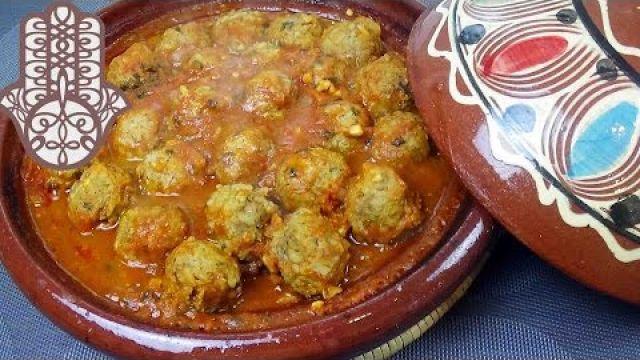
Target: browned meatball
356, 41
263, 53
343, 144
146, 233
194, 107
313, 178
99, 196
239, 28
244, 157
236, 218
171, 168
133, 68
268, 93
206, 58
379, 205
199, 276
309, 253
137, 132
346, 118
299, 29
384, 85
399, 139
327, 74
176, 42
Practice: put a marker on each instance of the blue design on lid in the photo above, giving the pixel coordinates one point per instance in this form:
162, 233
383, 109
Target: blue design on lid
519, 118
604, 142
472, 34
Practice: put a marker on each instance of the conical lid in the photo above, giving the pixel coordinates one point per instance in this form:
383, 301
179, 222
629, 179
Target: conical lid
537, 105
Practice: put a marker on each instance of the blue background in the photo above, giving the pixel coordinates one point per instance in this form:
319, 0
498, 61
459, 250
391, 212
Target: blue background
519, 307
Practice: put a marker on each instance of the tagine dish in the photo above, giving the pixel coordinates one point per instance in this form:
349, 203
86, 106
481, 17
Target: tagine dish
269, 161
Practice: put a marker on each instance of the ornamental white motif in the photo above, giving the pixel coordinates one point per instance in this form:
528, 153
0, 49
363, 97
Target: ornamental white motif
62, 107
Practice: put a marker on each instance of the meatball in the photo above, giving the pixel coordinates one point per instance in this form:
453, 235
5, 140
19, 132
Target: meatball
206, 58
193, 108
309, 253
263, 53
313, 178
199, 276
327, 73
146, 233
356, 41
379, 206
300, 30
171, 168
136, 132
237, 216
400, 139
346, 118
189, 35
133, 68
244, 157
268, 93
384, 85
99, 196
342, 143
238, 29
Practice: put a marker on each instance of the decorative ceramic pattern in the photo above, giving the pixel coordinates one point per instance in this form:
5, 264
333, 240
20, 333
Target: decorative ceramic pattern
561, 101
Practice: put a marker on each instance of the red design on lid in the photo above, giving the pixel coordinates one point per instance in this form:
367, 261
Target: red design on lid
523, 55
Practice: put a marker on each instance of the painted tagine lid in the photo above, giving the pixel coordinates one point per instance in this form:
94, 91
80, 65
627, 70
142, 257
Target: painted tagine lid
537, 105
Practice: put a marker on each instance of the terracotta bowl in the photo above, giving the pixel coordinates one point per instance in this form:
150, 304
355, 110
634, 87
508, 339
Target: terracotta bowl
446, 250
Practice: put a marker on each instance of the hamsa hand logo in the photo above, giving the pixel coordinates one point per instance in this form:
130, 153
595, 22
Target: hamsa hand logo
62, 107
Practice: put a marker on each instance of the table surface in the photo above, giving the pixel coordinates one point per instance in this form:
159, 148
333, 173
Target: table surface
518, 308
